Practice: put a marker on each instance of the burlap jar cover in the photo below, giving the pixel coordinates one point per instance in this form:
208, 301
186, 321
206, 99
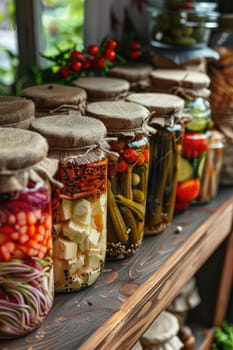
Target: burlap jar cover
163, 62
162, 334
51, 99
16, 112
137, 74
23, 158
103, 88
183, 83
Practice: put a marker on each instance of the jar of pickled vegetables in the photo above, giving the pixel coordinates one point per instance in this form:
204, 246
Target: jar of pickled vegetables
52, 99
103, 88
211, 167
165, 145
192, 86
26, 268
127, 174
136, 73
79, 208
16, 112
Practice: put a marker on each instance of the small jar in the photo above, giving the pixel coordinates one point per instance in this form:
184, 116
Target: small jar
137, 74
127, 174
103, 88
79, 208
212, 166
165, 144
162, 334
26, 268
53, 99
193, 88
190, 169
16, 112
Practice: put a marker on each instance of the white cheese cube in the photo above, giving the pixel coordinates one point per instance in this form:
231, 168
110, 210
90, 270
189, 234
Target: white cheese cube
75, 231
63, 249
75, 264
82, 212
66, 209
94, 237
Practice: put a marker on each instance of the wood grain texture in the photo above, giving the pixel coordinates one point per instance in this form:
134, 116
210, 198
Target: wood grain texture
131, 293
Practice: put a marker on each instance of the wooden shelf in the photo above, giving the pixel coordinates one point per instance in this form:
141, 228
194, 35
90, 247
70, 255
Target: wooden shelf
115, 311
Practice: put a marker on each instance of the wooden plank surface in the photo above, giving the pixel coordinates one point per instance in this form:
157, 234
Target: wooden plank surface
130, 294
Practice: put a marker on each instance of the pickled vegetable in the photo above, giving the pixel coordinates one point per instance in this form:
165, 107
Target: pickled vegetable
128, 179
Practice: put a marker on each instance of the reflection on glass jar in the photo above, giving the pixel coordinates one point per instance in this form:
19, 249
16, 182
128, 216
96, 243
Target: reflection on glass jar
165, 150
190, 169
199, 109
128, 178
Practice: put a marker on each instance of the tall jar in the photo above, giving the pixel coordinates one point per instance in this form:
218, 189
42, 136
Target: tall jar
136, 73
26, 268
79, 208
53, 99
193, 88
165, 143
16, 112
103, 88
127, 174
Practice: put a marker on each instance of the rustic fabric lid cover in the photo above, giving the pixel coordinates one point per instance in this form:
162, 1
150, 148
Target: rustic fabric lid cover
120, 116
163, 107
167, 78
131, 71
16, 111
102, 87
69, 134
50, 96
23, 154
162, 330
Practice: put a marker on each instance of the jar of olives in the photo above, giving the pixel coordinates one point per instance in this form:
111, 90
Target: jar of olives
79, 207
127, 174
26, 267
165, 146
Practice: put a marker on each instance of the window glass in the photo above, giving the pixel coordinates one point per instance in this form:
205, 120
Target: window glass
8, 44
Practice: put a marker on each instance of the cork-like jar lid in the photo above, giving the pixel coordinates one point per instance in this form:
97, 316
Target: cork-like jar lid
131, 71
16, 112
118, 115
70, 131
20, 149
102, 87
158, 102
50, 96
168, 78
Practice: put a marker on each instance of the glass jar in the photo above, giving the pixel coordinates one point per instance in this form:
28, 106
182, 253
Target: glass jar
212, 166
79, 207
16, 112
26, 269
162, 334
52, 99
137, 74
127, 174
165, 145
103, 88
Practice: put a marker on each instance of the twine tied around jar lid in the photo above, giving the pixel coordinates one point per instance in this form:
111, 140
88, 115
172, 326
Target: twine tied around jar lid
165, 109
78, 137
55, 98
121, 117
16, 112
23, 158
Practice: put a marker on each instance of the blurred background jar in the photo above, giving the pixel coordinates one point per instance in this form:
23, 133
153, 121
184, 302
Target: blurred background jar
50, 99
26, 267
103, 88
80, 206
166, 119
127, 174
16, 112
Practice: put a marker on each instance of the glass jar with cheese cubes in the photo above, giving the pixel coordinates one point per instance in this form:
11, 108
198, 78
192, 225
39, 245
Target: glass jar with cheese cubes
127, 174
79, 208
26, 268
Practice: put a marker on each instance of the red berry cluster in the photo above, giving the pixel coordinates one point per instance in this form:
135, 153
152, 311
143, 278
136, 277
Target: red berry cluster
95, 59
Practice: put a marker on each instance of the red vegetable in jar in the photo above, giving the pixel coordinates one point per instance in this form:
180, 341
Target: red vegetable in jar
194, 144
188, 190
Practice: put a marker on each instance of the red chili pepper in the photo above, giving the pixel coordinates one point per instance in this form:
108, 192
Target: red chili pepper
122, 166
130, 155
187, 191
147, 155
194, 145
